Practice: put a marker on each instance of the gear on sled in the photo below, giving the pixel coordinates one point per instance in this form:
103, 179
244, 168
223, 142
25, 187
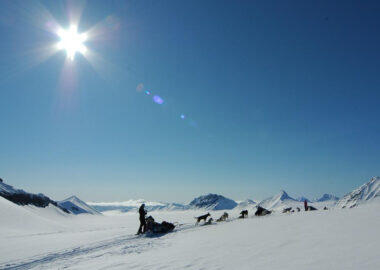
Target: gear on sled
155, 227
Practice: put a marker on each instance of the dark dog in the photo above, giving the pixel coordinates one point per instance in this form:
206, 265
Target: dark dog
209, 221
204, 217
298, 209
311, 208
286, 210
243, 214
261, 211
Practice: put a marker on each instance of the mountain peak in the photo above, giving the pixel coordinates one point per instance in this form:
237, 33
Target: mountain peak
246, 203
283, 195
277, 200
302, 199
73, 199
213, 202
366, 192
327, 197
76, 206
250, 201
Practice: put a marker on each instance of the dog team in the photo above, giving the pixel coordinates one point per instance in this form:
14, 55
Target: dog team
207, 219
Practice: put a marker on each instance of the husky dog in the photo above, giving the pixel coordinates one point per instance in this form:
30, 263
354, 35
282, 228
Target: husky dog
208, 222
243, 214
224, 217
204, 217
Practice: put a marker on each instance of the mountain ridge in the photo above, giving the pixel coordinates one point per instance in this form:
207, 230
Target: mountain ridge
21, 197
76, 206
367, 192
213, 202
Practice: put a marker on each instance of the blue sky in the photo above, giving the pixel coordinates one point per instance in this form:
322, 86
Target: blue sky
275, 94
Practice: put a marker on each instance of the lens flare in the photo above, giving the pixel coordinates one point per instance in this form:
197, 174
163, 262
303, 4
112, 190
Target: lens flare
140, 87
158, 99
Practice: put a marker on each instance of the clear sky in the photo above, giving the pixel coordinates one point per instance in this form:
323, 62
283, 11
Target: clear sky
273, 95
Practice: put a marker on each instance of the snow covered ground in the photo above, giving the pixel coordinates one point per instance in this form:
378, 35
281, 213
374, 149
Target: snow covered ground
45, 238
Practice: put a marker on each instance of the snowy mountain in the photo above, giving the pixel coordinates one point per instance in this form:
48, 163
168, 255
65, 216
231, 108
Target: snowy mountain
247, 203
20, 197
133, 205
281, 200
327, 197
368, 192
213, 202
174, 206
76, 206
302, 199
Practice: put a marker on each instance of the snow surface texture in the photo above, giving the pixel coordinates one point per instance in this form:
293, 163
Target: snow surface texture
335, 239
368, 191
76, 206
213, 202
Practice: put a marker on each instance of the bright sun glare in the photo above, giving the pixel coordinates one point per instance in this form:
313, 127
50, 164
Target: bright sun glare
72, 41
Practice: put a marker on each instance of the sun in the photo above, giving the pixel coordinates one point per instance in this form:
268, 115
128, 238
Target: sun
72, 41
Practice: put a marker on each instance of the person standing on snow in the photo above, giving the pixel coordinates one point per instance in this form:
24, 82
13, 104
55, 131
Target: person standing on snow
305, 204
142, 214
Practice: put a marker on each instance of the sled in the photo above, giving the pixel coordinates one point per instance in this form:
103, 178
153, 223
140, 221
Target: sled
158, 228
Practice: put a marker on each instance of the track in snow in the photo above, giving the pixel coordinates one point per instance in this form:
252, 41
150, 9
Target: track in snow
118, 245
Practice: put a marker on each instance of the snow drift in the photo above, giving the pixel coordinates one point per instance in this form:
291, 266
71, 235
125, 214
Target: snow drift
16, 218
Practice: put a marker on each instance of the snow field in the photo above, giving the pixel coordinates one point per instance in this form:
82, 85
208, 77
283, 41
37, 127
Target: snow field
335, 239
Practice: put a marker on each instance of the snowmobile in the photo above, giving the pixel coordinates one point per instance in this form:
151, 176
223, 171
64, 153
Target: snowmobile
155, 227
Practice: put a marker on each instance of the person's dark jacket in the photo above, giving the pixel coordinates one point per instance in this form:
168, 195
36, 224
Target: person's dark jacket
142, 213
